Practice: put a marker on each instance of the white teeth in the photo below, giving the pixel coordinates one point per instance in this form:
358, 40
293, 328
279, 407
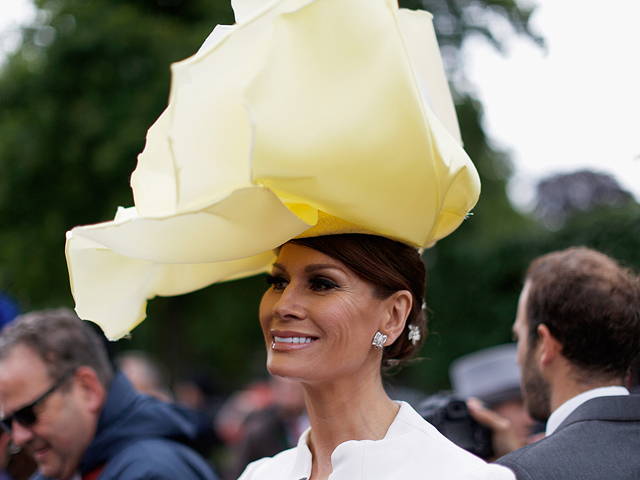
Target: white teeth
293, 339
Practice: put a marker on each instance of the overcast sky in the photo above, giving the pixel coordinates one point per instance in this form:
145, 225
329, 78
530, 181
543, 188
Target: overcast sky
574, 106
12, 14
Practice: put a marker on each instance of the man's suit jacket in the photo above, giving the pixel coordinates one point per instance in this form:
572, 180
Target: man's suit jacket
599, 440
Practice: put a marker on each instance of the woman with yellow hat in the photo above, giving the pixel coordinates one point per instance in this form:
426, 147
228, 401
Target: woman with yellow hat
316, 140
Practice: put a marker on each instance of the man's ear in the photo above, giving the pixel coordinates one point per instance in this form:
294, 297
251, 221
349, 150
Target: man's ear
549, 347
398, 309
91, 390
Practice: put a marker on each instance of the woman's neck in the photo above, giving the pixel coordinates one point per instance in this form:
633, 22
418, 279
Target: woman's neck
342, 411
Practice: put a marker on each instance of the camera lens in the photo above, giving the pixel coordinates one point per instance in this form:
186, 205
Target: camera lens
456, 410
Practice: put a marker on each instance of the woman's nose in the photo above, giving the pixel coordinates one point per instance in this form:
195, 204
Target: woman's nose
290, 305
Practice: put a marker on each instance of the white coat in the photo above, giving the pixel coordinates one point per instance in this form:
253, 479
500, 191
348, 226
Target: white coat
411, 449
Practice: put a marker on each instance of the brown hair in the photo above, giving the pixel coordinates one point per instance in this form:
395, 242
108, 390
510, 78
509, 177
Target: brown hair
590, 304
61, 340
389, 266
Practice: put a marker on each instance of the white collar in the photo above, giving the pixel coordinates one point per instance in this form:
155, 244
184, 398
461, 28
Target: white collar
302, 465
564, 410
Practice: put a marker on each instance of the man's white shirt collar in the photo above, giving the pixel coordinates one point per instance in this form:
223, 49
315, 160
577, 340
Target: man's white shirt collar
564, 410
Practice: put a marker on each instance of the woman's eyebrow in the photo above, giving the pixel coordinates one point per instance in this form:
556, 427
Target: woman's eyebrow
321, 266
314, 267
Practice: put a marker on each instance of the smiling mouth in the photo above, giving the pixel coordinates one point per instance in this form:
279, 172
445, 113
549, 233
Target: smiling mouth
293, 339
39, 453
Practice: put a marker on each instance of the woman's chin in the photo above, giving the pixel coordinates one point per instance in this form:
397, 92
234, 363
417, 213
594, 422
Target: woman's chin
287, 369
281, 370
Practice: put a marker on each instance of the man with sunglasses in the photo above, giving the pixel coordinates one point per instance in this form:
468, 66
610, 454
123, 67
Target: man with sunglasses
62, 401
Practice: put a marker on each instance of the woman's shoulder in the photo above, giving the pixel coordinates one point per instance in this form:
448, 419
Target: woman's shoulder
422, 447
409, 427
409, 421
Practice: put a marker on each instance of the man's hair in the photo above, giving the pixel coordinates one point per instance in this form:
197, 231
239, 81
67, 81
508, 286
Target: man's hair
61, 340
590, 304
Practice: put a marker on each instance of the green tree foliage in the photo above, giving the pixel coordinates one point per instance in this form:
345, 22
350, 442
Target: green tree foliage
75, 104
456, 20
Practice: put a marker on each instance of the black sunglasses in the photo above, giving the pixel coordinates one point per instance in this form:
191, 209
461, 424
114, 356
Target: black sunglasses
26, 416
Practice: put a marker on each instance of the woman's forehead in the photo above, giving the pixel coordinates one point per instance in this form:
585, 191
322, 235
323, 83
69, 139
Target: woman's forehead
292, 255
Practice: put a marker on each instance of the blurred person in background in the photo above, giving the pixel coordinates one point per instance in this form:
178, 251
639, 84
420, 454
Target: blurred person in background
146, 374
578, 331
490, 380
62, 401
150, 377
200, 394
270, 430
230, 417
8, 309
199, 391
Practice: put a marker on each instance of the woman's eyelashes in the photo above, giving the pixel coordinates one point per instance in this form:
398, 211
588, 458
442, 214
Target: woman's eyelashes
316, 284
278, 282
322, 284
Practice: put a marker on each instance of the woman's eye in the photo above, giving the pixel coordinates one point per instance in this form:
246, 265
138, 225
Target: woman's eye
322, 284
277, 282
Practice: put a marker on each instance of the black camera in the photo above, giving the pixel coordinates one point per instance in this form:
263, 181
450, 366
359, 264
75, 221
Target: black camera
450, 415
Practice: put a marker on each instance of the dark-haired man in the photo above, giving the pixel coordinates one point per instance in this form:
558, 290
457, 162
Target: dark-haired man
578, 329
62, 401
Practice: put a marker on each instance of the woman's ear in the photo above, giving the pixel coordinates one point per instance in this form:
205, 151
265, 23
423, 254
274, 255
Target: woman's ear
398, 309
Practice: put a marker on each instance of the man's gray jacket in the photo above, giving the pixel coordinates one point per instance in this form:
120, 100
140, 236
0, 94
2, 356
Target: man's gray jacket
599, 440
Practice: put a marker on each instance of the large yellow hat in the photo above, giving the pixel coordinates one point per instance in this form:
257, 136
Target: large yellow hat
304, 109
